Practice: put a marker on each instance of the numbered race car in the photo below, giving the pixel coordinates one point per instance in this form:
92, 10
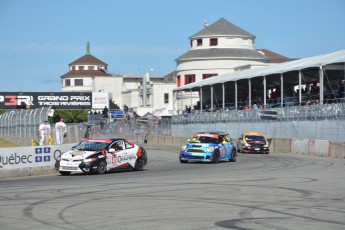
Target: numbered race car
99, 155
209, 147
253, 142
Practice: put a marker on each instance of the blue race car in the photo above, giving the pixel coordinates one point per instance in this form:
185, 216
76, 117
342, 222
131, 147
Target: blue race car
209, 147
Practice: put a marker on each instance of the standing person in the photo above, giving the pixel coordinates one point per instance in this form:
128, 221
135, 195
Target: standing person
60, 131
44, 132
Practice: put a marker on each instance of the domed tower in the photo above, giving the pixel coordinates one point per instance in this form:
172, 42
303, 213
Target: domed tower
218, 49
83, 72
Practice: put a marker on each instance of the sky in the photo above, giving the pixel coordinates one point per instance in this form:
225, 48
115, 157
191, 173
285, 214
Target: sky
39, 38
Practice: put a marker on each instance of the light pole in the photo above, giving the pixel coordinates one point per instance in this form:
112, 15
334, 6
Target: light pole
146, 79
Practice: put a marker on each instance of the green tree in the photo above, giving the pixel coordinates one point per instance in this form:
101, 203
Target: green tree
70, 116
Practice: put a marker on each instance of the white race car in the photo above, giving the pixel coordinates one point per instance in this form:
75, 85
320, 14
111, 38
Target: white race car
99, 155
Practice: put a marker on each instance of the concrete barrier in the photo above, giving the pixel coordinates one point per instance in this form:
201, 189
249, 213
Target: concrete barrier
30, 161
282, 145
319, 148
161, 140
132, 137
337, 149
168, 141
152, 140
40, 160
176, 142
300, 146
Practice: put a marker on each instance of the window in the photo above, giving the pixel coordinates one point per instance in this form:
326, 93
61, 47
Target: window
129, 145
189, 79
67, 82
205, 76
81, 67
102, 68
78, 82
213, 41
245, 42
166, 98
73, 67
178, 81
91, 67
199, 42
191, 43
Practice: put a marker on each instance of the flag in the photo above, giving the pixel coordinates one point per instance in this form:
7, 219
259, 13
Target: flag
34, 142
51, 112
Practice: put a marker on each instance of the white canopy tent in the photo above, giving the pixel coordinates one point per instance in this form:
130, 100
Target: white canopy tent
336, 59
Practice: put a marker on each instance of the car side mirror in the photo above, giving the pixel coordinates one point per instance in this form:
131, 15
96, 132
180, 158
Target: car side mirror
269, 141
111, 150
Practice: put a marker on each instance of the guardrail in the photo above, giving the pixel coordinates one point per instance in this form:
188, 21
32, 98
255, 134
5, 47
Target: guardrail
40, 160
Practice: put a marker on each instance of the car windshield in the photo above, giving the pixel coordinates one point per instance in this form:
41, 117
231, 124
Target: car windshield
255, 138
205, 139
90, 146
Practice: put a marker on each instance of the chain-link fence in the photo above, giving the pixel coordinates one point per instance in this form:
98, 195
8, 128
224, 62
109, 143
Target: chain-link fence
22, 123
314, 122
324, 122
133, 127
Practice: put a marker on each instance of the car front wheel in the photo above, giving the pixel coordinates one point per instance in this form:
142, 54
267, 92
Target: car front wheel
64, 173
238, 149
139, 164
102, 167
233, 156
182, 161
216, 157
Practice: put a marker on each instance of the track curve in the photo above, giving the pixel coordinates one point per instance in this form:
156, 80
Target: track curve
276, 191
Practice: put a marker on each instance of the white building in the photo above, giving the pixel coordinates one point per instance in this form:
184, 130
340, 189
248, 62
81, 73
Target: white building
217, 49
89, 74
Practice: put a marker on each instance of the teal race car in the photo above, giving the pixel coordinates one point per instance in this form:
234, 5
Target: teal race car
209, 147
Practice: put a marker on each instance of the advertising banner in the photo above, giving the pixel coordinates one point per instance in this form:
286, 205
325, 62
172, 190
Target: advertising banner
100, 100
56, 100
32, 156
268, 115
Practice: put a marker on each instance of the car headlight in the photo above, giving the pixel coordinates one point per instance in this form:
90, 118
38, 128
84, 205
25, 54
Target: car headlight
210, 149
184, 148
89, 159
266, 146
246, 144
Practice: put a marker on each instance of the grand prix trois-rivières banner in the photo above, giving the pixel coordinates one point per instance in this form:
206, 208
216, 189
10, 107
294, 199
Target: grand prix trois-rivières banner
57, 100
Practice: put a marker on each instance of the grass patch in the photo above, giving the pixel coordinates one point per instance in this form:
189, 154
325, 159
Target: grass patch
6, 144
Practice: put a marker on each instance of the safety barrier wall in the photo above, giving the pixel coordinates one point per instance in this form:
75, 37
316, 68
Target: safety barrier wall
30, 161
40, 160
321, 148
337, 149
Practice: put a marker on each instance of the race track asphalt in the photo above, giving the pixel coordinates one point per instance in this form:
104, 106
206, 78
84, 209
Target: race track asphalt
276, 191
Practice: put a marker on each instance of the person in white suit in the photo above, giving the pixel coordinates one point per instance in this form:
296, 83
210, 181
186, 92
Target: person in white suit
44, 132
60, 131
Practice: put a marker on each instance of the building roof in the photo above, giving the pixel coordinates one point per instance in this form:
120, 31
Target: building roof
227, 53
89, 60
222, 28
295, 65
275, 57
85, 73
